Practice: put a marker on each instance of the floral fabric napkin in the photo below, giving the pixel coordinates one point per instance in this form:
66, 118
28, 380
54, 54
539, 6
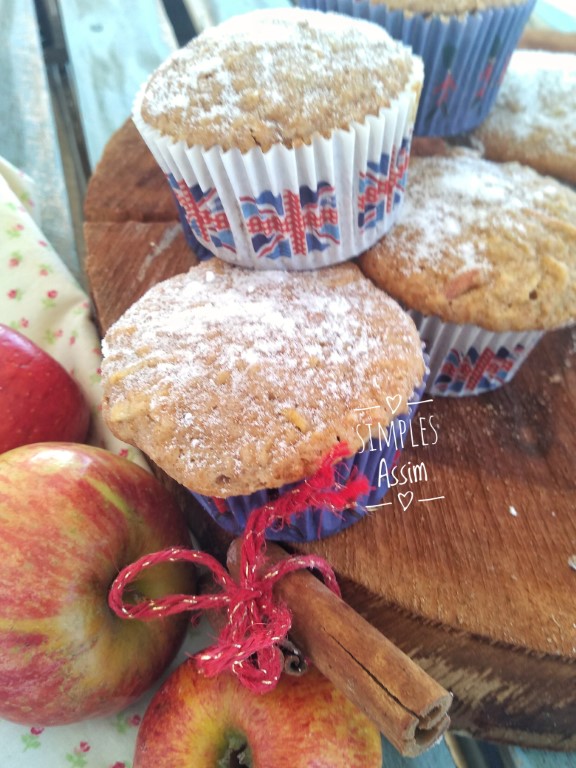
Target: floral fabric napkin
40, 298
104, 742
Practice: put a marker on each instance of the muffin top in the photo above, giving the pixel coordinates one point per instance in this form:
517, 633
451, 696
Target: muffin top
477, 242
235, 380
445, 7
532, 120
276, 76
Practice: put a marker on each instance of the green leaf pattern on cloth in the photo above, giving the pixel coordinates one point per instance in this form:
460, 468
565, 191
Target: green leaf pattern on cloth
93, 743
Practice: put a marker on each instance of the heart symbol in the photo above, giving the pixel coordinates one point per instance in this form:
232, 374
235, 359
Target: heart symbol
393, 403
405, 499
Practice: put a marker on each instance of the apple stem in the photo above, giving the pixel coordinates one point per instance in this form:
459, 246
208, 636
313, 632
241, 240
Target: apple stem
295, 662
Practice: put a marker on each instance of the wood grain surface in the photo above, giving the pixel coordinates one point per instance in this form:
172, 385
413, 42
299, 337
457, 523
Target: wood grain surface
476, 585
113, 47
29, 132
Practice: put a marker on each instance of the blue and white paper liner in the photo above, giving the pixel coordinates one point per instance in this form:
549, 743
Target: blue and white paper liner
465, 57
202, 253
233, 512
300, 208
469, 360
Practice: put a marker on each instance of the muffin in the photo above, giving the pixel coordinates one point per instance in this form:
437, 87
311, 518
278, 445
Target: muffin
285, 135
465, 45
239, 382
532, 121
484, 257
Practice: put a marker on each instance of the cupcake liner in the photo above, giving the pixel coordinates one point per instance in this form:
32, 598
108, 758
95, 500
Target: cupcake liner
300, 208
465, 57
233, 512
468, 360
202, 253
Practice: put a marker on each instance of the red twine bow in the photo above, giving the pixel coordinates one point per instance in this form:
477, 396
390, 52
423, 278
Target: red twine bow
256, 621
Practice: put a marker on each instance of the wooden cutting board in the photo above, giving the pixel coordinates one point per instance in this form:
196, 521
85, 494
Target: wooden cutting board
471, 569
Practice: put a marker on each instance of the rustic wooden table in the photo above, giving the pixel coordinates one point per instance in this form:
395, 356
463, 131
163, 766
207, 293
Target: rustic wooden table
70, 71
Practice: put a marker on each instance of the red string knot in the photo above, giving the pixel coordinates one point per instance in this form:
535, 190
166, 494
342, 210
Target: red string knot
256, 622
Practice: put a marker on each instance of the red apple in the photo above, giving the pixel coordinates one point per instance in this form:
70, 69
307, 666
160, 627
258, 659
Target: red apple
305, 722
39, 400
72, 516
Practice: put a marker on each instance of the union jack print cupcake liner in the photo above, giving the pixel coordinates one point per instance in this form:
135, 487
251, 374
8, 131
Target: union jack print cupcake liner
375, 462
300, 208
468, 360
465, 57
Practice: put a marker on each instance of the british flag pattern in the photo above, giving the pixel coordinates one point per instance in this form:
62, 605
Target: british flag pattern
292, 223
204, 214
382, 185
477, 371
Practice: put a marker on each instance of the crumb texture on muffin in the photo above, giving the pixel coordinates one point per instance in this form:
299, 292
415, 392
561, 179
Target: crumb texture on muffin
532, 120
235, 380
445, 7
276, 76
477, 242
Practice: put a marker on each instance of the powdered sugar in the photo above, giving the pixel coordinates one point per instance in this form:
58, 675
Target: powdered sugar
446, 8
249, 73
532, 121
538, 96
486, 244
453, 203
254, 368
251, 332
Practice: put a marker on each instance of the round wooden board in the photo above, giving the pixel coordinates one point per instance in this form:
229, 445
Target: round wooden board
476, 584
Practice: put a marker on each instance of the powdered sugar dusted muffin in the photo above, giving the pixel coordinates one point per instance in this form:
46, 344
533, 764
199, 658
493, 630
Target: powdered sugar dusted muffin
285, 135
465, 45
444, 7
533, 119
484, 256
238, 381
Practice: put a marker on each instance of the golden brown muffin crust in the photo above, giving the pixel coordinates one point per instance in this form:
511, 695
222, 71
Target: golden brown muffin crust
533, 120
276, 76
446, 7
481, 243
235, 380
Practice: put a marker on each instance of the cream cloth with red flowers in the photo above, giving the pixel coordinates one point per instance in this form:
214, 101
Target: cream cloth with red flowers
41, 299
102, 742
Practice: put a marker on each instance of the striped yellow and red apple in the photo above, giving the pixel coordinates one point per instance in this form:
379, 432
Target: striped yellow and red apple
71, 516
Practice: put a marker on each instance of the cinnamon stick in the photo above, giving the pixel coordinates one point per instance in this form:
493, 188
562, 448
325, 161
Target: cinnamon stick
407, 705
